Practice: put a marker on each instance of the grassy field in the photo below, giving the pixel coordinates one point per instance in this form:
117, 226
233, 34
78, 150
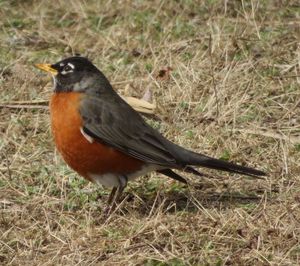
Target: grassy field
231, 91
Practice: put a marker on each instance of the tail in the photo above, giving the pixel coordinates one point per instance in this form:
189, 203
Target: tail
197, 159
175, 176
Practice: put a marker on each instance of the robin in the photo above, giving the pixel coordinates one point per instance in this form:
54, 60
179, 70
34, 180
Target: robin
105, 140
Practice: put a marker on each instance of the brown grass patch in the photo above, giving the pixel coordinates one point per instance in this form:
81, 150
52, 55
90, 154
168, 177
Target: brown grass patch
232, 93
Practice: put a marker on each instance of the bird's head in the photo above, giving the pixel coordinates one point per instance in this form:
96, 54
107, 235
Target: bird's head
72, 74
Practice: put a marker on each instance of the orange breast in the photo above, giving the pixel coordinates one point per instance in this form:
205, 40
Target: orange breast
81, 155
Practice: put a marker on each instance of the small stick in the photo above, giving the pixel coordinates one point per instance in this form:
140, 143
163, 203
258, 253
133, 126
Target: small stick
139, 105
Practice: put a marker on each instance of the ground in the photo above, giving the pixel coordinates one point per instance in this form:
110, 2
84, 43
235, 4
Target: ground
225, 78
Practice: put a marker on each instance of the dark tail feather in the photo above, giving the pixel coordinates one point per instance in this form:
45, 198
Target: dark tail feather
191, 170
170, 173
175, 176
196, 159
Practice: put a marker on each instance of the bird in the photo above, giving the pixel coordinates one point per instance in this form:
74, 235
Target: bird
105, 140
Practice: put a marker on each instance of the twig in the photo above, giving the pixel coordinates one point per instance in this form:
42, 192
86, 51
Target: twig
270, 134
139, 105
30, 102
23, 106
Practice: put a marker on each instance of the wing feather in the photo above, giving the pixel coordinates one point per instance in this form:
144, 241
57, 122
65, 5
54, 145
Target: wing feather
119, 126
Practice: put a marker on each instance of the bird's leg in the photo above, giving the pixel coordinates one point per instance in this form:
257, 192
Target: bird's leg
110, 201
111, 196
115, 195
122, 185
119, 193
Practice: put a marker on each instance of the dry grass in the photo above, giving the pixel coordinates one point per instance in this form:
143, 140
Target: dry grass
233, 93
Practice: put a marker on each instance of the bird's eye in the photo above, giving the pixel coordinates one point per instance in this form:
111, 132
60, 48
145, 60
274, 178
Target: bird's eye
67, 68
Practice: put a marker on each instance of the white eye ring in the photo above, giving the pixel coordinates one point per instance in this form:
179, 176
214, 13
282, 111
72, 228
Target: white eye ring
71, 65
67, 69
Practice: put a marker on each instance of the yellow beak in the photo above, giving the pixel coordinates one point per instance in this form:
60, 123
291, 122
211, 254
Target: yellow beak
47, 68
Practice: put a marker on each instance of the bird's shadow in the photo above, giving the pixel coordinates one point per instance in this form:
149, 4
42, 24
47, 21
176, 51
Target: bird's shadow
188, 200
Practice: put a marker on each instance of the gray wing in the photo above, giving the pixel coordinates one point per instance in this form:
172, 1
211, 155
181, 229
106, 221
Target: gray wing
110, 120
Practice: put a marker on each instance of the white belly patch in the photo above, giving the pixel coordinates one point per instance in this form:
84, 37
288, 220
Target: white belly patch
106, 180
113, 180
